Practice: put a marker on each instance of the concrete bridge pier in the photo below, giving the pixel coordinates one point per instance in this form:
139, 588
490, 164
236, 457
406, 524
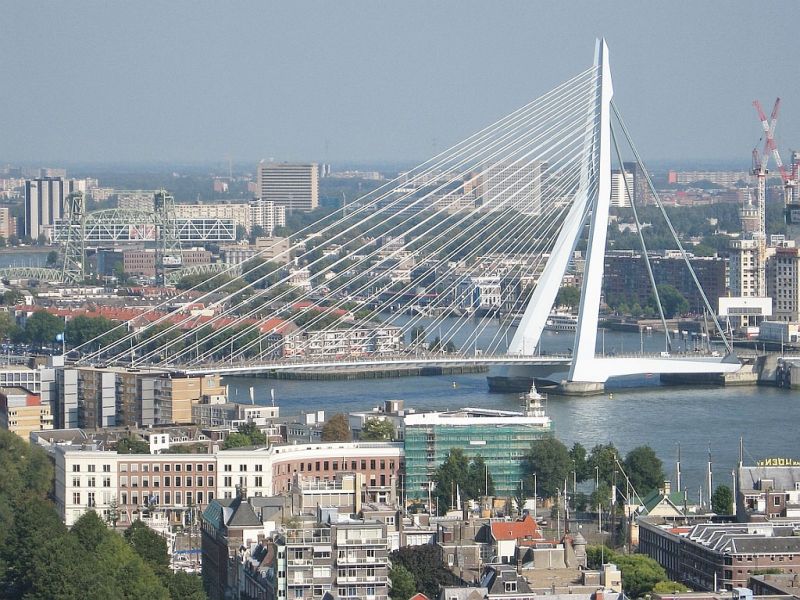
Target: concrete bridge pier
580, 388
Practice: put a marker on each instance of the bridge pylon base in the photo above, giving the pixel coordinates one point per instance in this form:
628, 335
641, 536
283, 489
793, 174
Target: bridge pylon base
580, 388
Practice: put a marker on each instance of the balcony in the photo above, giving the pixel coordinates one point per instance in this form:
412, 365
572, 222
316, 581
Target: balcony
364, 542
362, 560
362, 579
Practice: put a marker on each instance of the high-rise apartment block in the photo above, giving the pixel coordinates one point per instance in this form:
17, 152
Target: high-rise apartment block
44, 202
783, 283
267, 215
513, 186
621, 189
291, 185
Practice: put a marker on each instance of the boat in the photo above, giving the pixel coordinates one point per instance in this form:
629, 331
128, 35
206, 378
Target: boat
560, 321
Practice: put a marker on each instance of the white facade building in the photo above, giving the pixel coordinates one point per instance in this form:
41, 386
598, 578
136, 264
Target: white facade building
619, 192
293, 186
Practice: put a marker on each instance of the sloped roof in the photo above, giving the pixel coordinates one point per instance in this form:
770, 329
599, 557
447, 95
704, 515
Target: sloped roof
516, 530
655, 498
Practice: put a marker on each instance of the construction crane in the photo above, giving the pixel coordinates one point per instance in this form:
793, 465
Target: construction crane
789, 179
760, 171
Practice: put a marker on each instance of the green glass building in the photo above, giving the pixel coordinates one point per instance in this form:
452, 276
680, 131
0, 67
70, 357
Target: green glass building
502, 438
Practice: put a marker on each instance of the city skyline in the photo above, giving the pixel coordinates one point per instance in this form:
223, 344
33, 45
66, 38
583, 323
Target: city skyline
376, 83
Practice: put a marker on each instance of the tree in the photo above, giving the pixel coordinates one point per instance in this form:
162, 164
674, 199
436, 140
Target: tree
722, 500
449, 477
149, 545
640, 573
42, 328
549, 459
132, 445
672, 301
337, 429
644, 469
248, 435
82, 329
603, 462
479, 479
568, 295
8, 328
185, 586
377, 429
90, 531
669, 587
580, 464
403, 584
426, 567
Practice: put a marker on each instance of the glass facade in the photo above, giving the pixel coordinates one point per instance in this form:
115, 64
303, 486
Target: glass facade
502, 446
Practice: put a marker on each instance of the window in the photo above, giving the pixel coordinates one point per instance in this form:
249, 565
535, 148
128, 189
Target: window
166, 468
210, 482
177, 468
123, 481
210, 468
90, 468
76, 482
198, 468
156, 481
228, 468
177, 481
106, 468
777, 500
363, 465
260, 468
135, 467
227, 482
199, 497
188, 467
177, 497
167, 497
76, 497
243, 468
258, 481
76, 468
90, 499
317, 469
372, 464
353, 465
188, 481
199, 481
325, 465
302, 467
383, 464
134, 482
90, 482
106, 481
167, 480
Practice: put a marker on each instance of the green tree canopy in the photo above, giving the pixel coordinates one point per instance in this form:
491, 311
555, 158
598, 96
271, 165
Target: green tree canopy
640, 573
42, 328
580, 462
458, 475
426, 566
669, 587
568, 295
82, 329
377, 429
644, 469
149, 545
403, 584
133, 445
722, 500
549, 459
337, 429
248, 435
673, 302
603, 462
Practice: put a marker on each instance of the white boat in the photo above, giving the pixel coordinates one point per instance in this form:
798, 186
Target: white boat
561, 322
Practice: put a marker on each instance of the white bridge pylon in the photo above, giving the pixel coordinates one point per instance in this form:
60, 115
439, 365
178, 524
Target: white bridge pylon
593, 198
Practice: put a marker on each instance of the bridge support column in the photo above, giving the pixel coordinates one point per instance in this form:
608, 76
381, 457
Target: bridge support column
580, 388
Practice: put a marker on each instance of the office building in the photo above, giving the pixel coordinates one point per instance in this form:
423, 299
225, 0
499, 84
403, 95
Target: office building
44, 202
769, 490
711, 556
291, 185
501, 438
142, 263
271, 249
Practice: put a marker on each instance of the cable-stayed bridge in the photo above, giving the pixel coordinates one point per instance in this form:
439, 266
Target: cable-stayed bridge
471, 247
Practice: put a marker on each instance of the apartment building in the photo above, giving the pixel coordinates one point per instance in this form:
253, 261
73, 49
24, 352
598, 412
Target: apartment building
783, 283
272, 249
22, 412
142, 263
267, 215
344, 342
173, 483
239, 213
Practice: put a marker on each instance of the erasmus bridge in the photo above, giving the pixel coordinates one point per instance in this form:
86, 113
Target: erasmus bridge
514, 200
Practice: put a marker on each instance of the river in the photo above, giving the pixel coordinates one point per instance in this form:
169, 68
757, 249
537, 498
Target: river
662, 417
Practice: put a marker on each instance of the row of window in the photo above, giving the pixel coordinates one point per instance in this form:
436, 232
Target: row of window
178, 480
177, 467
155, 498
76, 468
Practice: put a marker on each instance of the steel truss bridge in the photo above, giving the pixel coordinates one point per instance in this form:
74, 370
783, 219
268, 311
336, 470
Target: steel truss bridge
506, 206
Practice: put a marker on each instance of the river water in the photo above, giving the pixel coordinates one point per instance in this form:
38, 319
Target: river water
662, 417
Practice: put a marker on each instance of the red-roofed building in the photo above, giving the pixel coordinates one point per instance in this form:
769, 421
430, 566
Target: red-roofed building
508, 535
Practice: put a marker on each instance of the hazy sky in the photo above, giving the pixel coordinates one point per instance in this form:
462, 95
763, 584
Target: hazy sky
377, 81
